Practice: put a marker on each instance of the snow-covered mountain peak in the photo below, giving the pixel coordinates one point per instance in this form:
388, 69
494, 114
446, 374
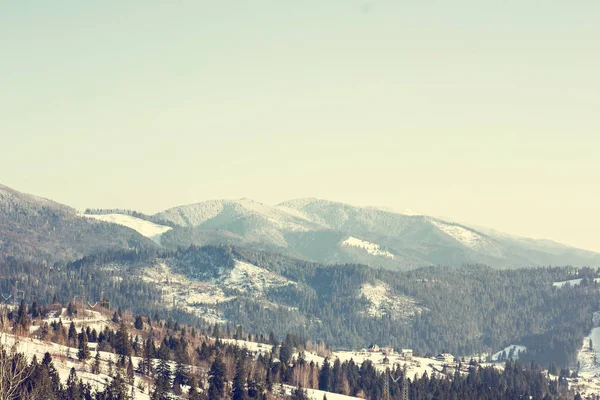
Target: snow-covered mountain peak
228, 211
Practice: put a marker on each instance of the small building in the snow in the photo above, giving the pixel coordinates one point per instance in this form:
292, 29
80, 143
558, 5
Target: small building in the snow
388, 351
374, 348
445, 358
407, 354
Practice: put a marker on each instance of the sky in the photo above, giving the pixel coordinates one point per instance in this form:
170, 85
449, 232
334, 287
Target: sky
486, 112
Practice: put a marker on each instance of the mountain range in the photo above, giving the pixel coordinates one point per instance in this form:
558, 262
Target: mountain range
309, 229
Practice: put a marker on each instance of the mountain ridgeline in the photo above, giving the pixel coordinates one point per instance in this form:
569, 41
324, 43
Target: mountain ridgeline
33, 228
310, 229
329, 232
348, 276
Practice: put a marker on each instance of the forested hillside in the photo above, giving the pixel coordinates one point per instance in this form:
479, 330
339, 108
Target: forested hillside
40, 230
464, 311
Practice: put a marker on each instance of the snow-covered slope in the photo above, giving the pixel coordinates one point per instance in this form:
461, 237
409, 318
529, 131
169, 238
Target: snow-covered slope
226, 211
332, 232
463, 235
383, 301
250, 279
371, 248
202, 295
571, 282
146, 228
511, 352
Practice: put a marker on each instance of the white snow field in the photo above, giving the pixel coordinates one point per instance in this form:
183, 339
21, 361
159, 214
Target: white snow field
465, 236
572, 282
248, 278
200, 297
383, 301
64, 357
149, 229
514, 347
371, 248
316, 394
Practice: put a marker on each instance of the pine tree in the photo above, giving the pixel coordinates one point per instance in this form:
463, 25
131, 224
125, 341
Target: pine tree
130, 373
139, 323
299, 394
122, 343
72, 391
96, 365
83, 353
324, 376
216, 379
22, 323
286, 350
116, 390
162, 378
72, 334
52, 373
239, 381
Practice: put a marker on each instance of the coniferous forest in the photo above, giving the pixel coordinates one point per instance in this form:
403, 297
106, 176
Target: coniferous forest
465, 311
173, 359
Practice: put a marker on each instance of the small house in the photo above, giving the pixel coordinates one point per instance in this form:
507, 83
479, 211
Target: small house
446, 358
373, 348
407, 354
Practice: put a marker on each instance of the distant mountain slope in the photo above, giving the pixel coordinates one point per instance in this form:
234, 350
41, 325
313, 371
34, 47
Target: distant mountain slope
146, 228
34, 228
331, 232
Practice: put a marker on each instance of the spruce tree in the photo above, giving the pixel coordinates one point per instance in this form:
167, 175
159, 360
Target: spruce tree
72, 391
216, 379
239, 381
72, 334
83, 353
324, 377
162, 378
96, 365
139, 323
130, 372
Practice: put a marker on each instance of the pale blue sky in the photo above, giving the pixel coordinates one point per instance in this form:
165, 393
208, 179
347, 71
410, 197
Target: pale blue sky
487, 111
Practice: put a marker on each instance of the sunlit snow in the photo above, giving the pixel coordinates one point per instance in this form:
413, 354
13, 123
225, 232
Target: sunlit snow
371, 248
465, 236
146, 228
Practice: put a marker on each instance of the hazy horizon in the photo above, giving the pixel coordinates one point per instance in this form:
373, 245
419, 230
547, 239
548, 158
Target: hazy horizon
483, 113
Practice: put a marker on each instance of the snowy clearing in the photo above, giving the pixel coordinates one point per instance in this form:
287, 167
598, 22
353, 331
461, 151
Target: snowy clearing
64, 358
146, 228
572, 282
383, 301
514, 348
248, 278
465, 236
371, 248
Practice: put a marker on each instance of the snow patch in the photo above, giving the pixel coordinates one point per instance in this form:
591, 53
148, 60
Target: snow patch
383, 301
64, 358
515, 348
371, 248
572, 282
465, 236
146, 228
250, 279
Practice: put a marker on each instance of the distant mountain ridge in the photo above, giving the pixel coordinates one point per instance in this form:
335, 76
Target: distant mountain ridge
332, 232
33, 228
307, 228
